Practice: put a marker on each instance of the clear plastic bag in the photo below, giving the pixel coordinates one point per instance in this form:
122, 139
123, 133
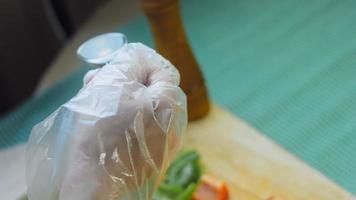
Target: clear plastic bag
116, 137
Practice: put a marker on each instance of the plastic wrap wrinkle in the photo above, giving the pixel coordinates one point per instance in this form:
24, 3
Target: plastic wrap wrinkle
115, 138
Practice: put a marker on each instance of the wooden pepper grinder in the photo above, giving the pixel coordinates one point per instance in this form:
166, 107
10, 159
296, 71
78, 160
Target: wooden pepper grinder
171, 42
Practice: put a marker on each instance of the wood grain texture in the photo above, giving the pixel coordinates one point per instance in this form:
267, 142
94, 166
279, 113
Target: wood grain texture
254, 166
171, 41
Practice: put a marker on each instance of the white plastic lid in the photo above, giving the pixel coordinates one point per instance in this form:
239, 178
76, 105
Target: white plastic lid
99, 50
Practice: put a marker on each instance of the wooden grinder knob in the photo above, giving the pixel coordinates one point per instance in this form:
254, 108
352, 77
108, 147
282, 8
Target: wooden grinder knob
170, 40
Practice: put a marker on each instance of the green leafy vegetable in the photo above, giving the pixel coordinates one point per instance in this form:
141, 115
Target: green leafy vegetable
181, 178
187, 193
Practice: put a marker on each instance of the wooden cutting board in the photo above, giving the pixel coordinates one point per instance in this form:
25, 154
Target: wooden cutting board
253, 166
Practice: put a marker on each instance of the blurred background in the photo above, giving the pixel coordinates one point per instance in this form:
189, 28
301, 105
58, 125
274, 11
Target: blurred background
287, 67
34, 35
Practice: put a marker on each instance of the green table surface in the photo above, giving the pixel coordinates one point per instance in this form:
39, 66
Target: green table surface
288, 67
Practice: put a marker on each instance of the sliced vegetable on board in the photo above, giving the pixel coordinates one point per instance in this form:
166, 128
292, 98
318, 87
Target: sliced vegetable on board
184, 181
211, 188
181, 178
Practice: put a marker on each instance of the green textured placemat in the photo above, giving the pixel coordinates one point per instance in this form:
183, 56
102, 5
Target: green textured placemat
287, 67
